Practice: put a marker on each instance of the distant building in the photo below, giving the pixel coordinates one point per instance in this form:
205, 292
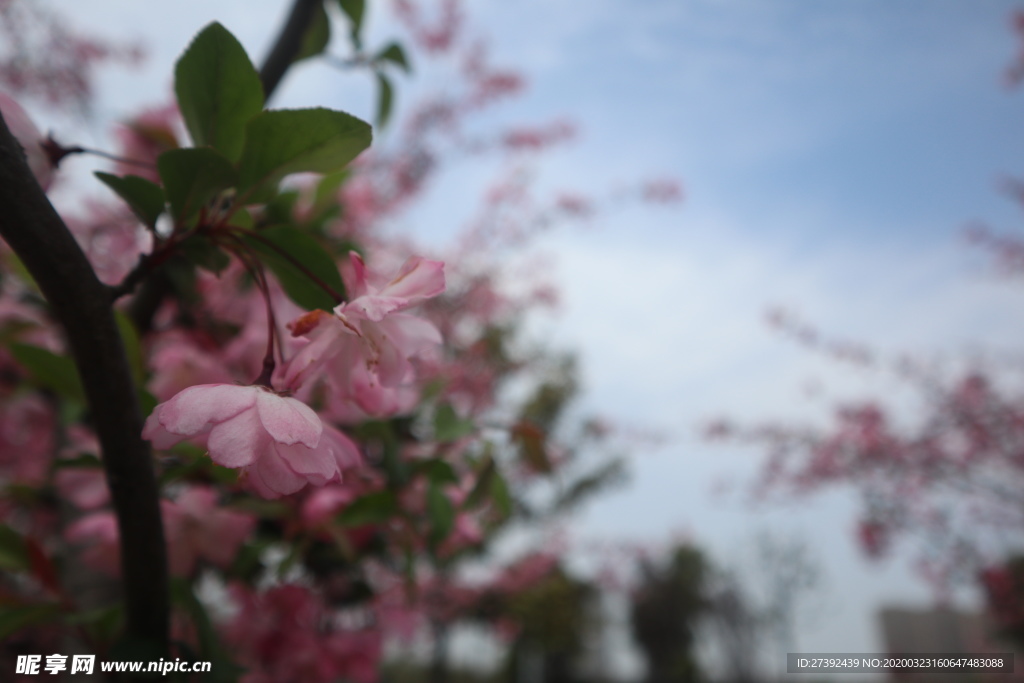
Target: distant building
943, 631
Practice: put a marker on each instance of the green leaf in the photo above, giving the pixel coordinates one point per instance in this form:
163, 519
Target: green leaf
317, 36
147, 402
395, 54
199, 250
281, 209
182, 274
437, 471
306, 250
287, 141
192, 177
57, 373
13, 551
440, 512
218, 90
144, 198
241, 218
354, 10
385, 98
606, 475
102, 623
500, 494
132, 347
482, 487
327, 189
448, 426
373, 508
13, 619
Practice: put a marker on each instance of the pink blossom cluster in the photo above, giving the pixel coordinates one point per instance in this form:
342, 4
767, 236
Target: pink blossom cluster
284, 635
364, 351
196, 527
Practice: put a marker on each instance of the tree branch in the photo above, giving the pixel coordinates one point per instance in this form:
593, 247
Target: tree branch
287, 45
32, 228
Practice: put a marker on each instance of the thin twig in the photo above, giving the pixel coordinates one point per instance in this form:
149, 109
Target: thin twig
295, 262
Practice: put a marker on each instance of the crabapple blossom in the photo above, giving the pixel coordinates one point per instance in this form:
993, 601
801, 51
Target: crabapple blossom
98, 533
279, 442
30, 139
281, 636
368, 343
195, 527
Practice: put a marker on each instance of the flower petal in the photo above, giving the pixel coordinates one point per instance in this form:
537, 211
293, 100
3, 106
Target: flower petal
317, 462
239, 441
287, 420
343, 449
417, 279
193, 409
155, 433
271, 477
326, 339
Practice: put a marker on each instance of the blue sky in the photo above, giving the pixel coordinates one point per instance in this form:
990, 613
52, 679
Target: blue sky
831, 153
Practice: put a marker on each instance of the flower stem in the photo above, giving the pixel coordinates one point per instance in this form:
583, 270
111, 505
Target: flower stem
334, 294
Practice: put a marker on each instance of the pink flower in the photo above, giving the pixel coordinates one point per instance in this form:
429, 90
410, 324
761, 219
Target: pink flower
320, 506
197, 528
279, 442
368, 343
98, 532
285, 635
86, 487
29, 138
26, 439
194, 526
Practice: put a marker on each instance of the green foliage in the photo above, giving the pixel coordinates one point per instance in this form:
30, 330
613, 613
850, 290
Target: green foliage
586, 486
49, 370
437, 471
500, 493
547, 404
205, 254
317, 36
666, 607
304, 249
102, 624
132, 347
385, 99
448, 426
373, 508
327, 190
355, 10
485, 471
192, 177
144, 198
15, 618
395, 54
441, 513
13, 552
218, 91
286, 141
556, 620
